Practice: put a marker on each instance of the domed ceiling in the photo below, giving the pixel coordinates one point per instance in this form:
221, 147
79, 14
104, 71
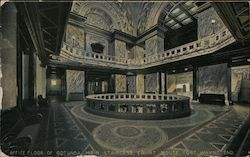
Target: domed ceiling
136, 17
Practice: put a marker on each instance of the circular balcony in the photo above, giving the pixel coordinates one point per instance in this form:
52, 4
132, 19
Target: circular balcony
139, 106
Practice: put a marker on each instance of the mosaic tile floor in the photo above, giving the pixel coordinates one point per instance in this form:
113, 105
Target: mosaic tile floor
207, 132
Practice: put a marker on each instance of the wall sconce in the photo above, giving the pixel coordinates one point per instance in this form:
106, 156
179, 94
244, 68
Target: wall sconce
213, 21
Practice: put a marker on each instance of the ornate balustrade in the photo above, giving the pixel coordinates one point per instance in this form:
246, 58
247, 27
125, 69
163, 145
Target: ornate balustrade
200, 47
203, 46
79, 54
138, 106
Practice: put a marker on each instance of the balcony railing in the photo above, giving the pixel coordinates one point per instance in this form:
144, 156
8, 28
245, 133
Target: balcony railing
200, 47
79, 54
203, 46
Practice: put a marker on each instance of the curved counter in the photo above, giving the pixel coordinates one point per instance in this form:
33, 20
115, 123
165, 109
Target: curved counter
138, 106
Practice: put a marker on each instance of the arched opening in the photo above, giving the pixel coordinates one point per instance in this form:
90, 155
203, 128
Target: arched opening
180, 21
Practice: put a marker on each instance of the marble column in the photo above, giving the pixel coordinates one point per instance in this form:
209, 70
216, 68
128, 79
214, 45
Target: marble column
120, 49
120, 84
9, 56
195, 83
153, 46
40, 79
166, 83
162, 83
75, 36
86, 84
213, 79
139, 53
111, 84
229, 85
139, 83
120, 80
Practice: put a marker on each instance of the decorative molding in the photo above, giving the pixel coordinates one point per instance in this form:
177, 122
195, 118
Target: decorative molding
77, 18
119, 35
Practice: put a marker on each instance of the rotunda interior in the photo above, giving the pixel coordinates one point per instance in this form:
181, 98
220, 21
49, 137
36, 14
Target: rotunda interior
125, 78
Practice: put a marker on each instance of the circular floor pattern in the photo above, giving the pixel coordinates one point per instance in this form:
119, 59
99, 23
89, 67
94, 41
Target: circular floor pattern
128, 131
121, 137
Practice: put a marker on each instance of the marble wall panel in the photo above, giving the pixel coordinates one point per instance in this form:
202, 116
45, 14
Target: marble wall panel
140, 89
205, 25
154, 45
25, 76
213, 79
75, 81
139, 53
75, 35
151, 83
120, 49
120, 84
240, 86
131, 84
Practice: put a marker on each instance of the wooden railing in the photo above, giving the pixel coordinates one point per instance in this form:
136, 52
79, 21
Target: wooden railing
200, 47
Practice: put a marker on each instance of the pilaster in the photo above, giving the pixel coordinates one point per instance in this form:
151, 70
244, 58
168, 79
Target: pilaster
120, 83
139, 83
